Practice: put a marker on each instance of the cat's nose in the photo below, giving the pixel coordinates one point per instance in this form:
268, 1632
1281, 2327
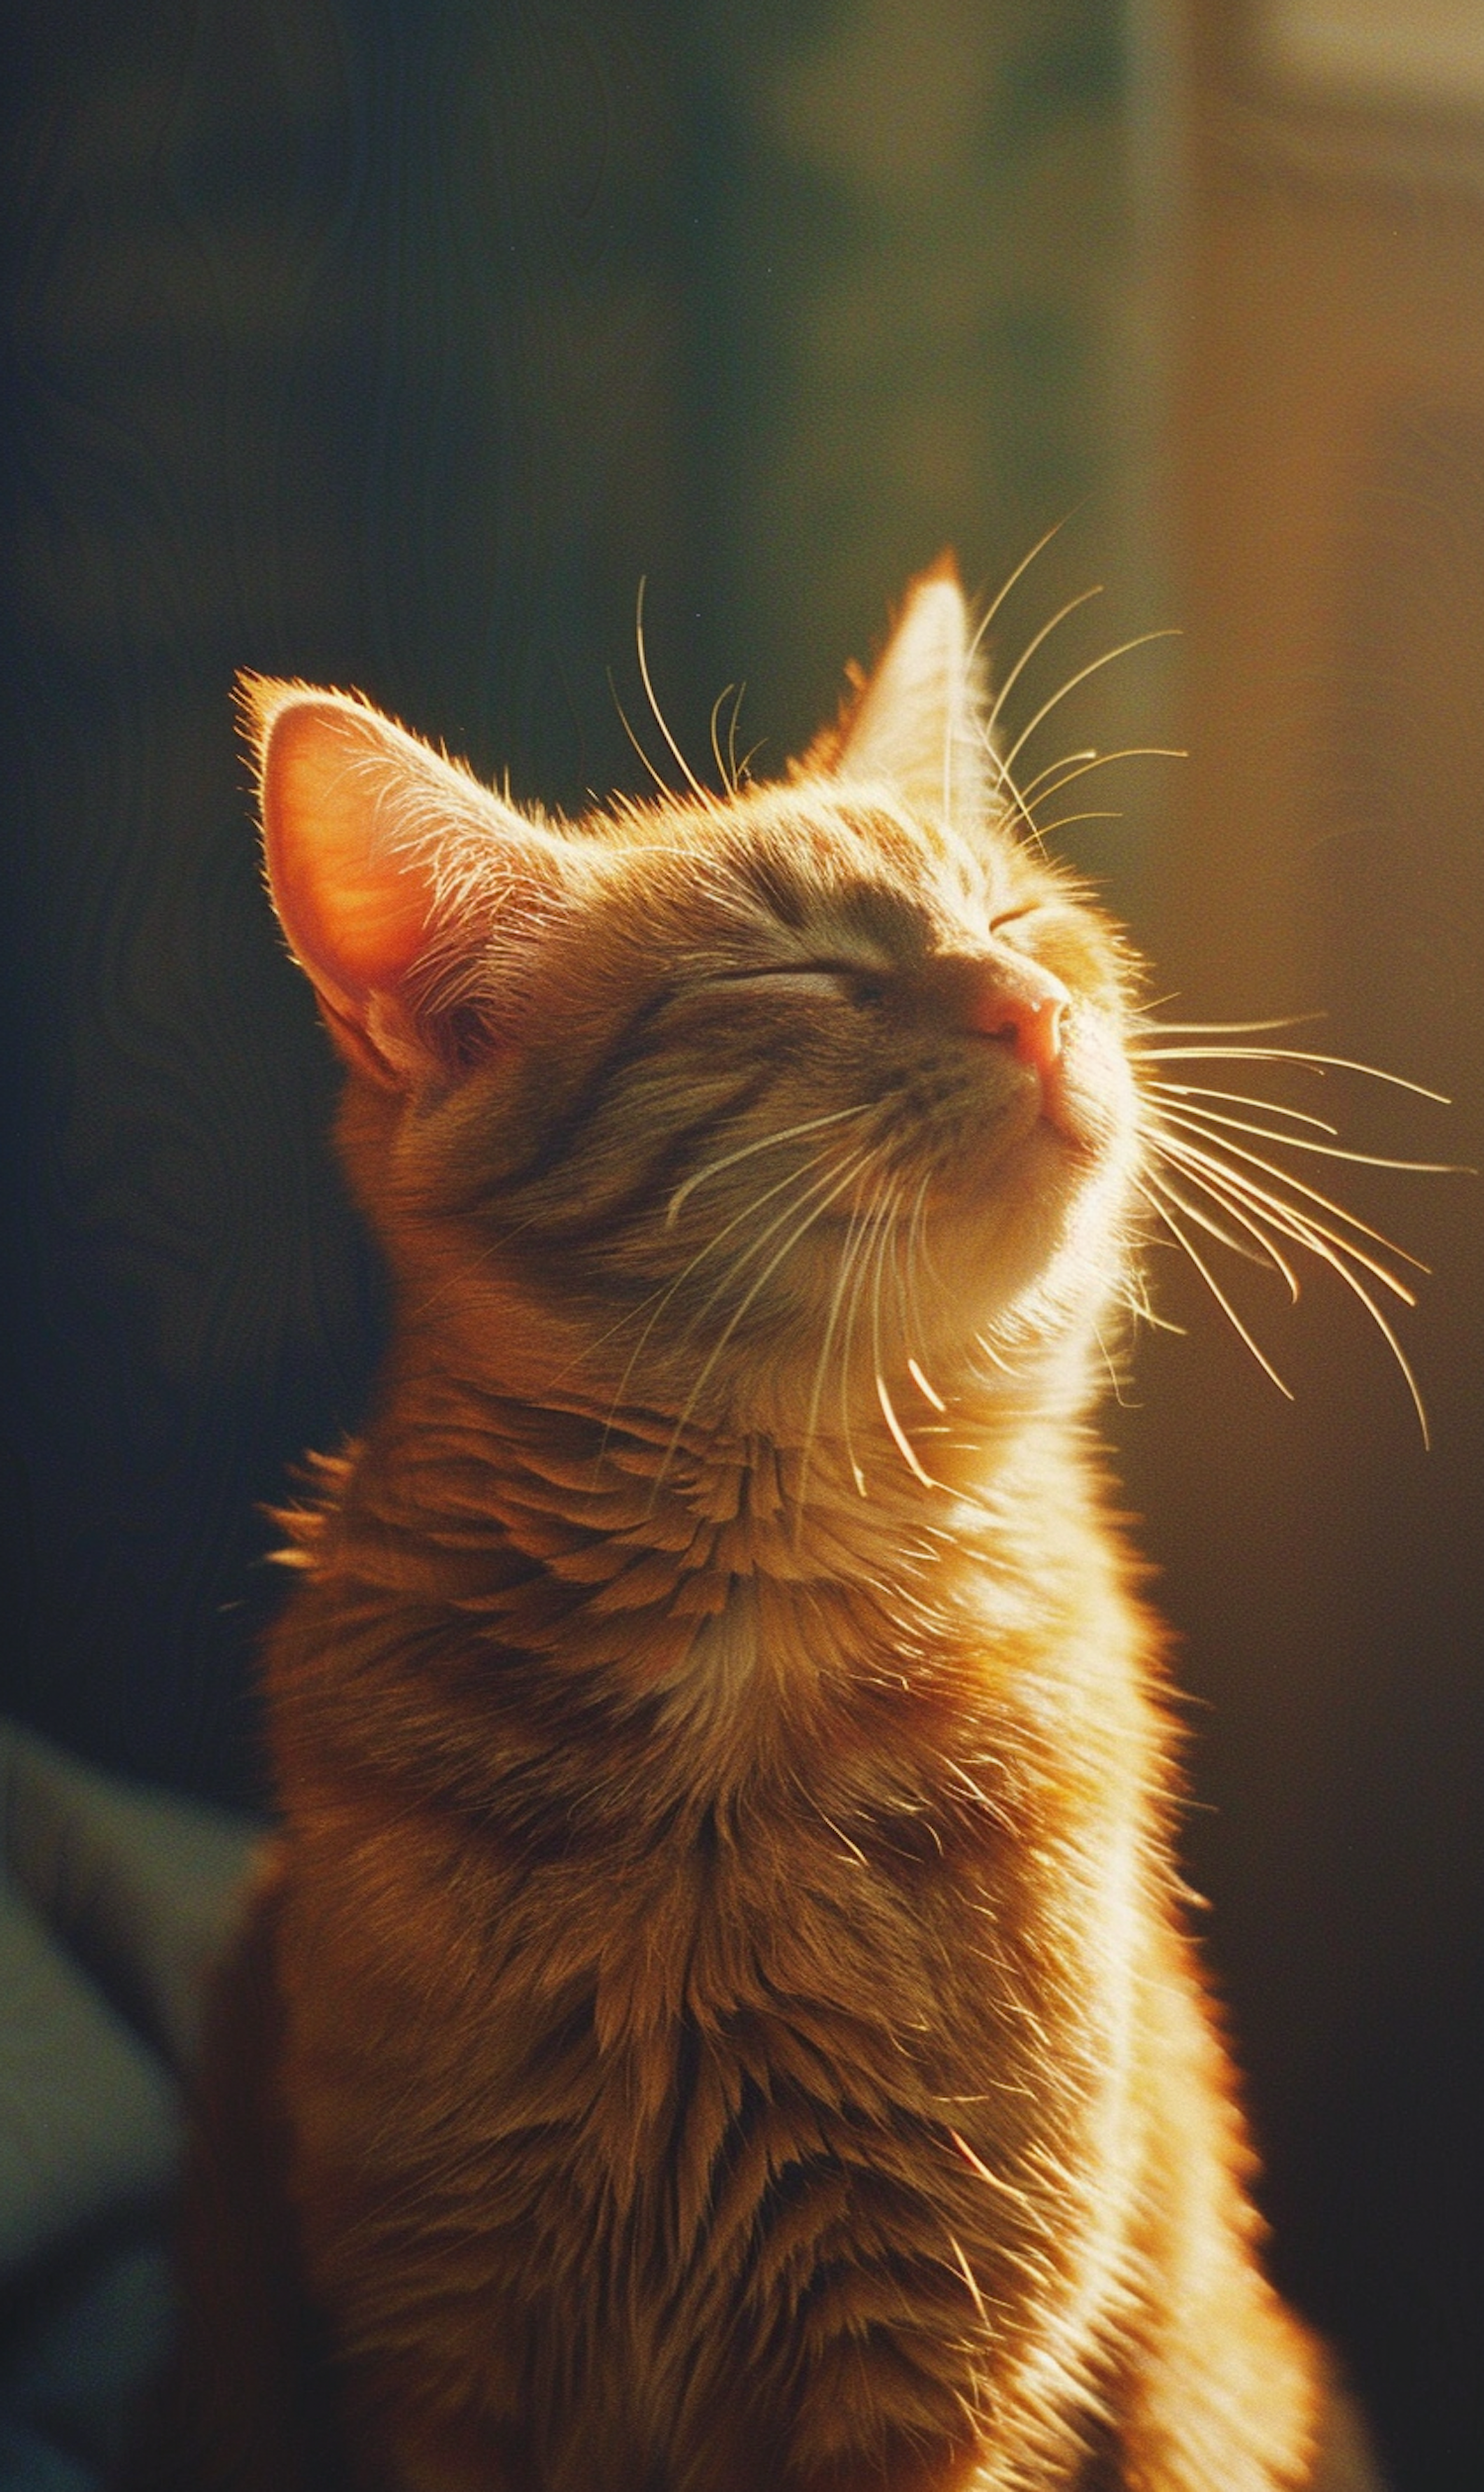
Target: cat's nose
1013, 998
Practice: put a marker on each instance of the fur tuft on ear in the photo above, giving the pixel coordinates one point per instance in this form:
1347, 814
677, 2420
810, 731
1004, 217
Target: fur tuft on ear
401, 886
918, 723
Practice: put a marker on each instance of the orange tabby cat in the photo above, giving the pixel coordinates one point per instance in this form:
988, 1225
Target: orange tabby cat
721, 1994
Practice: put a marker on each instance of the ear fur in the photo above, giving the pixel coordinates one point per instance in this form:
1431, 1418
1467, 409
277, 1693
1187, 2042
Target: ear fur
397, 878
919, 724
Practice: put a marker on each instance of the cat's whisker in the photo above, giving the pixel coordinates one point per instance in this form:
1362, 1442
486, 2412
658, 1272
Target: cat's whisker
1227, 1188
1215, 1152
1063, 822
1141, 640
829, 1191
917, 1253
1005, 787
1201, 1120
1155, 1193
1293, 1220
1222, 1028
1133, 1293
755, 1245
852, 1308
1114, 1379
1238, 1099
1326, 1250
1000, 594
748, 1150
854, 1238
1140, 1308
701, 793
981, 1342
904, 1274
1015, 673
928, 1392
901, 1275
1046, 784
924, 1251
1342, 1254
1264, 1251
1282, 1055
661, 1297
864, 1268
899, 1433
625, 721
1066, 761
723, 771
737, 769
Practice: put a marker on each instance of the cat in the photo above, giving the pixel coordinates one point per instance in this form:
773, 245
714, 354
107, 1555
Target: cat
720, 2013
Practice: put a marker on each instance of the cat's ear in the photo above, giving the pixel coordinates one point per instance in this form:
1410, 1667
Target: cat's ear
399, 881
918, 725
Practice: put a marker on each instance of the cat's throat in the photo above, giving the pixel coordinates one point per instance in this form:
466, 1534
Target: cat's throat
562, 1589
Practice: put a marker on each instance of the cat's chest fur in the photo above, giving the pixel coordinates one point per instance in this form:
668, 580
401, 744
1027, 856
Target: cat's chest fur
819, 1897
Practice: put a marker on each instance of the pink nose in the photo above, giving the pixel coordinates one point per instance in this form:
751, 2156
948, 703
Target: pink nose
1015, 999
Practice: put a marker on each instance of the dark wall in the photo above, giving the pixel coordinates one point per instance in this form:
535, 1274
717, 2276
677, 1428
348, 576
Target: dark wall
1323, 857
349, 342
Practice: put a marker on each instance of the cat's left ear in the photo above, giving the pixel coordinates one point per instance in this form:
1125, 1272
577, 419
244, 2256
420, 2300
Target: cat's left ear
919, 724
406, 891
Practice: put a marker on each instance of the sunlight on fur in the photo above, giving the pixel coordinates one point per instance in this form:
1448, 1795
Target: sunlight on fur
720, 2013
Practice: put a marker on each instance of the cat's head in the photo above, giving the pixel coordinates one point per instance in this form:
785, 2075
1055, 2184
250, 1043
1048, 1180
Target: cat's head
765, 1107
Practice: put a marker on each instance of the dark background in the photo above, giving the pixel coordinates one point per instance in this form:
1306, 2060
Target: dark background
390, 347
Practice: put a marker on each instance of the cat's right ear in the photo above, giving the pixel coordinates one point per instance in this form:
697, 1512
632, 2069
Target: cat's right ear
919, 724
399, 883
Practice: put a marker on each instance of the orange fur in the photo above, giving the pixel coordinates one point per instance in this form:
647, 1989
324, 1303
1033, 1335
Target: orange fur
735, 2025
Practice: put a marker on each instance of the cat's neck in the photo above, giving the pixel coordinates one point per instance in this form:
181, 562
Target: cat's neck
609, 1493
718, 1603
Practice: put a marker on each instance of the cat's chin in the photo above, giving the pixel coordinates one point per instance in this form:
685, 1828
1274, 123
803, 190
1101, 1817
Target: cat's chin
1059, 1141
1035, 1246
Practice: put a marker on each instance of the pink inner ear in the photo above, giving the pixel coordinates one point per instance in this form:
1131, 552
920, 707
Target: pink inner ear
355, 902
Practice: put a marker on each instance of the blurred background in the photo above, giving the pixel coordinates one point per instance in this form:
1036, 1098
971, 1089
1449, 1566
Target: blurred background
388, 343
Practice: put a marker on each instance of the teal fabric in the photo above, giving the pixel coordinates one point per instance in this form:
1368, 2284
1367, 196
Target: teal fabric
112, 1904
